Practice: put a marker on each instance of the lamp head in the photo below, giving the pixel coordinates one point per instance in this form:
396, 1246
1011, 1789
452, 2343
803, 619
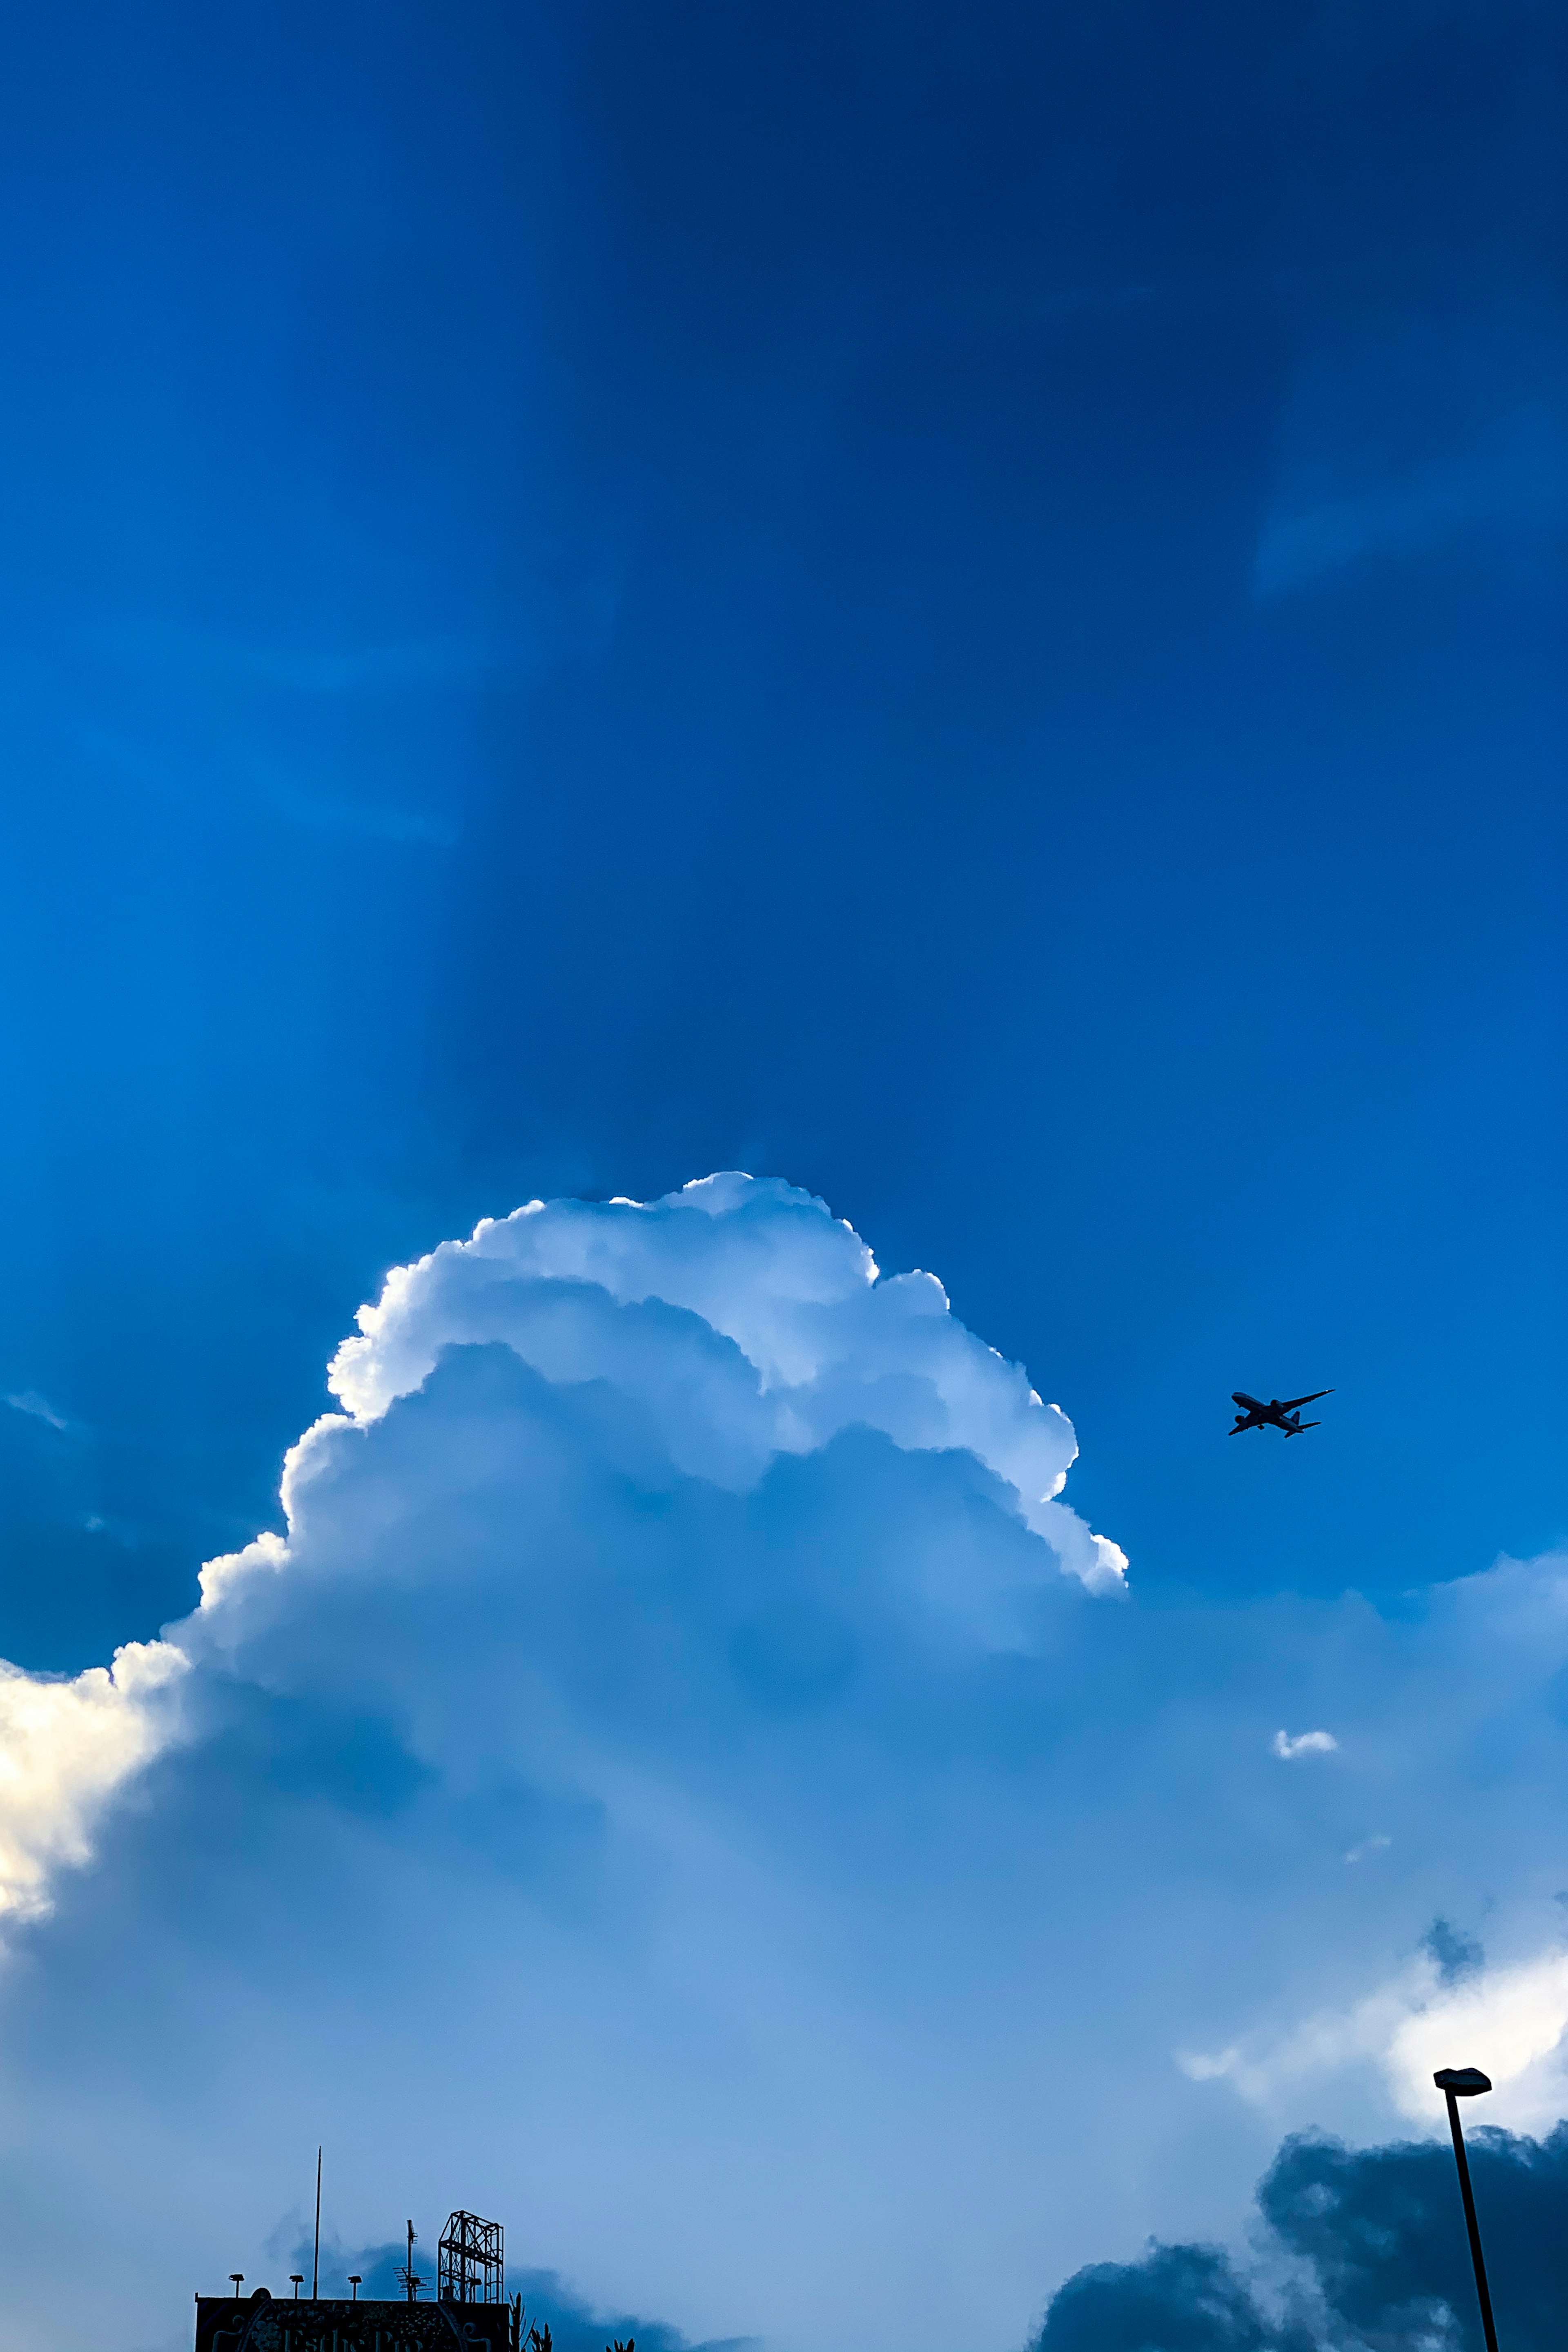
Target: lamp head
1465, 2082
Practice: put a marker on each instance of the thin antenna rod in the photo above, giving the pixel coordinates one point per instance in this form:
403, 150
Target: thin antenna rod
316, 2257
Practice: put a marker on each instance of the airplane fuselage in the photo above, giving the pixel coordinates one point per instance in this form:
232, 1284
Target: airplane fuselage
1275, 1415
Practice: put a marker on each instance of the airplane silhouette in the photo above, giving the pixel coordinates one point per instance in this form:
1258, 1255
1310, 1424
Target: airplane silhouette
1277, 1413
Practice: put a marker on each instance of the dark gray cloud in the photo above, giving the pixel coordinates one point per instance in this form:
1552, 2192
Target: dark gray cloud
1178, 2298
1359, 2250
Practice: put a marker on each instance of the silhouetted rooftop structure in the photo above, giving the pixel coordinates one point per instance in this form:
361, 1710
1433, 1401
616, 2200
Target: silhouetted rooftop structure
469, 2313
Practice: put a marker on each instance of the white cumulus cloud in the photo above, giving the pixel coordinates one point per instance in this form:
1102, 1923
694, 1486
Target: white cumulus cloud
645, 1535
729, 1324
1306, 1743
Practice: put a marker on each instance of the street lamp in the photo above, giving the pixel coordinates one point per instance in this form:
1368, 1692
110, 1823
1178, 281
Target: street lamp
1457, 2083
239, 2278
355, 2281
296, 2280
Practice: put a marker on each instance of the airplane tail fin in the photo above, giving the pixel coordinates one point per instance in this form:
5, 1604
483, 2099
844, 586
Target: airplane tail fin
1296, 1427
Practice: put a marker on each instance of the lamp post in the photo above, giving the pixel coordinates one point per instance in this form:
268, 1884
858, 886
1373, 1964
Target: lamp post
354, 2282
239, 2278
1457, 2083
296, 2280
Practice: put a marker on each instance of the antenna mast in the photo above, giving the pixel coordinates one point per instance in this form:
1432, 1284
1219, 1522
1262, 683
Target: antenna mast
412, 2282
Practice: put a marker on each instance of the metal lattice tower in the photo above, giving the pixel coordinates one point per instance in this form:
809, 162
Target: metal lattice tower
472, 2267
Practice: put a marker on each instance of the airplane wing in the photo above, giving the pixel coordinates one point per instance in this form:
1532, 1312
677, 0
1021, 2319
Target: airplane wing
1288, 1404
1240, 1396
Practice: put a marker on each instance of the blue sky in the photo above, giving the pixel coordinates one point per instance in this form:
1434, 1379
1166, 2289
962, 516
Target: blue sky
960, 607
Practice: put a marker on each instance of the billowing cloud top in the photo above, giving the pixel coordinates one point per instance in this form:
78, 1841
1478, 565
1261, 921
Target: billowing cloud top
732, 1323
645, 1296
703, 1336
